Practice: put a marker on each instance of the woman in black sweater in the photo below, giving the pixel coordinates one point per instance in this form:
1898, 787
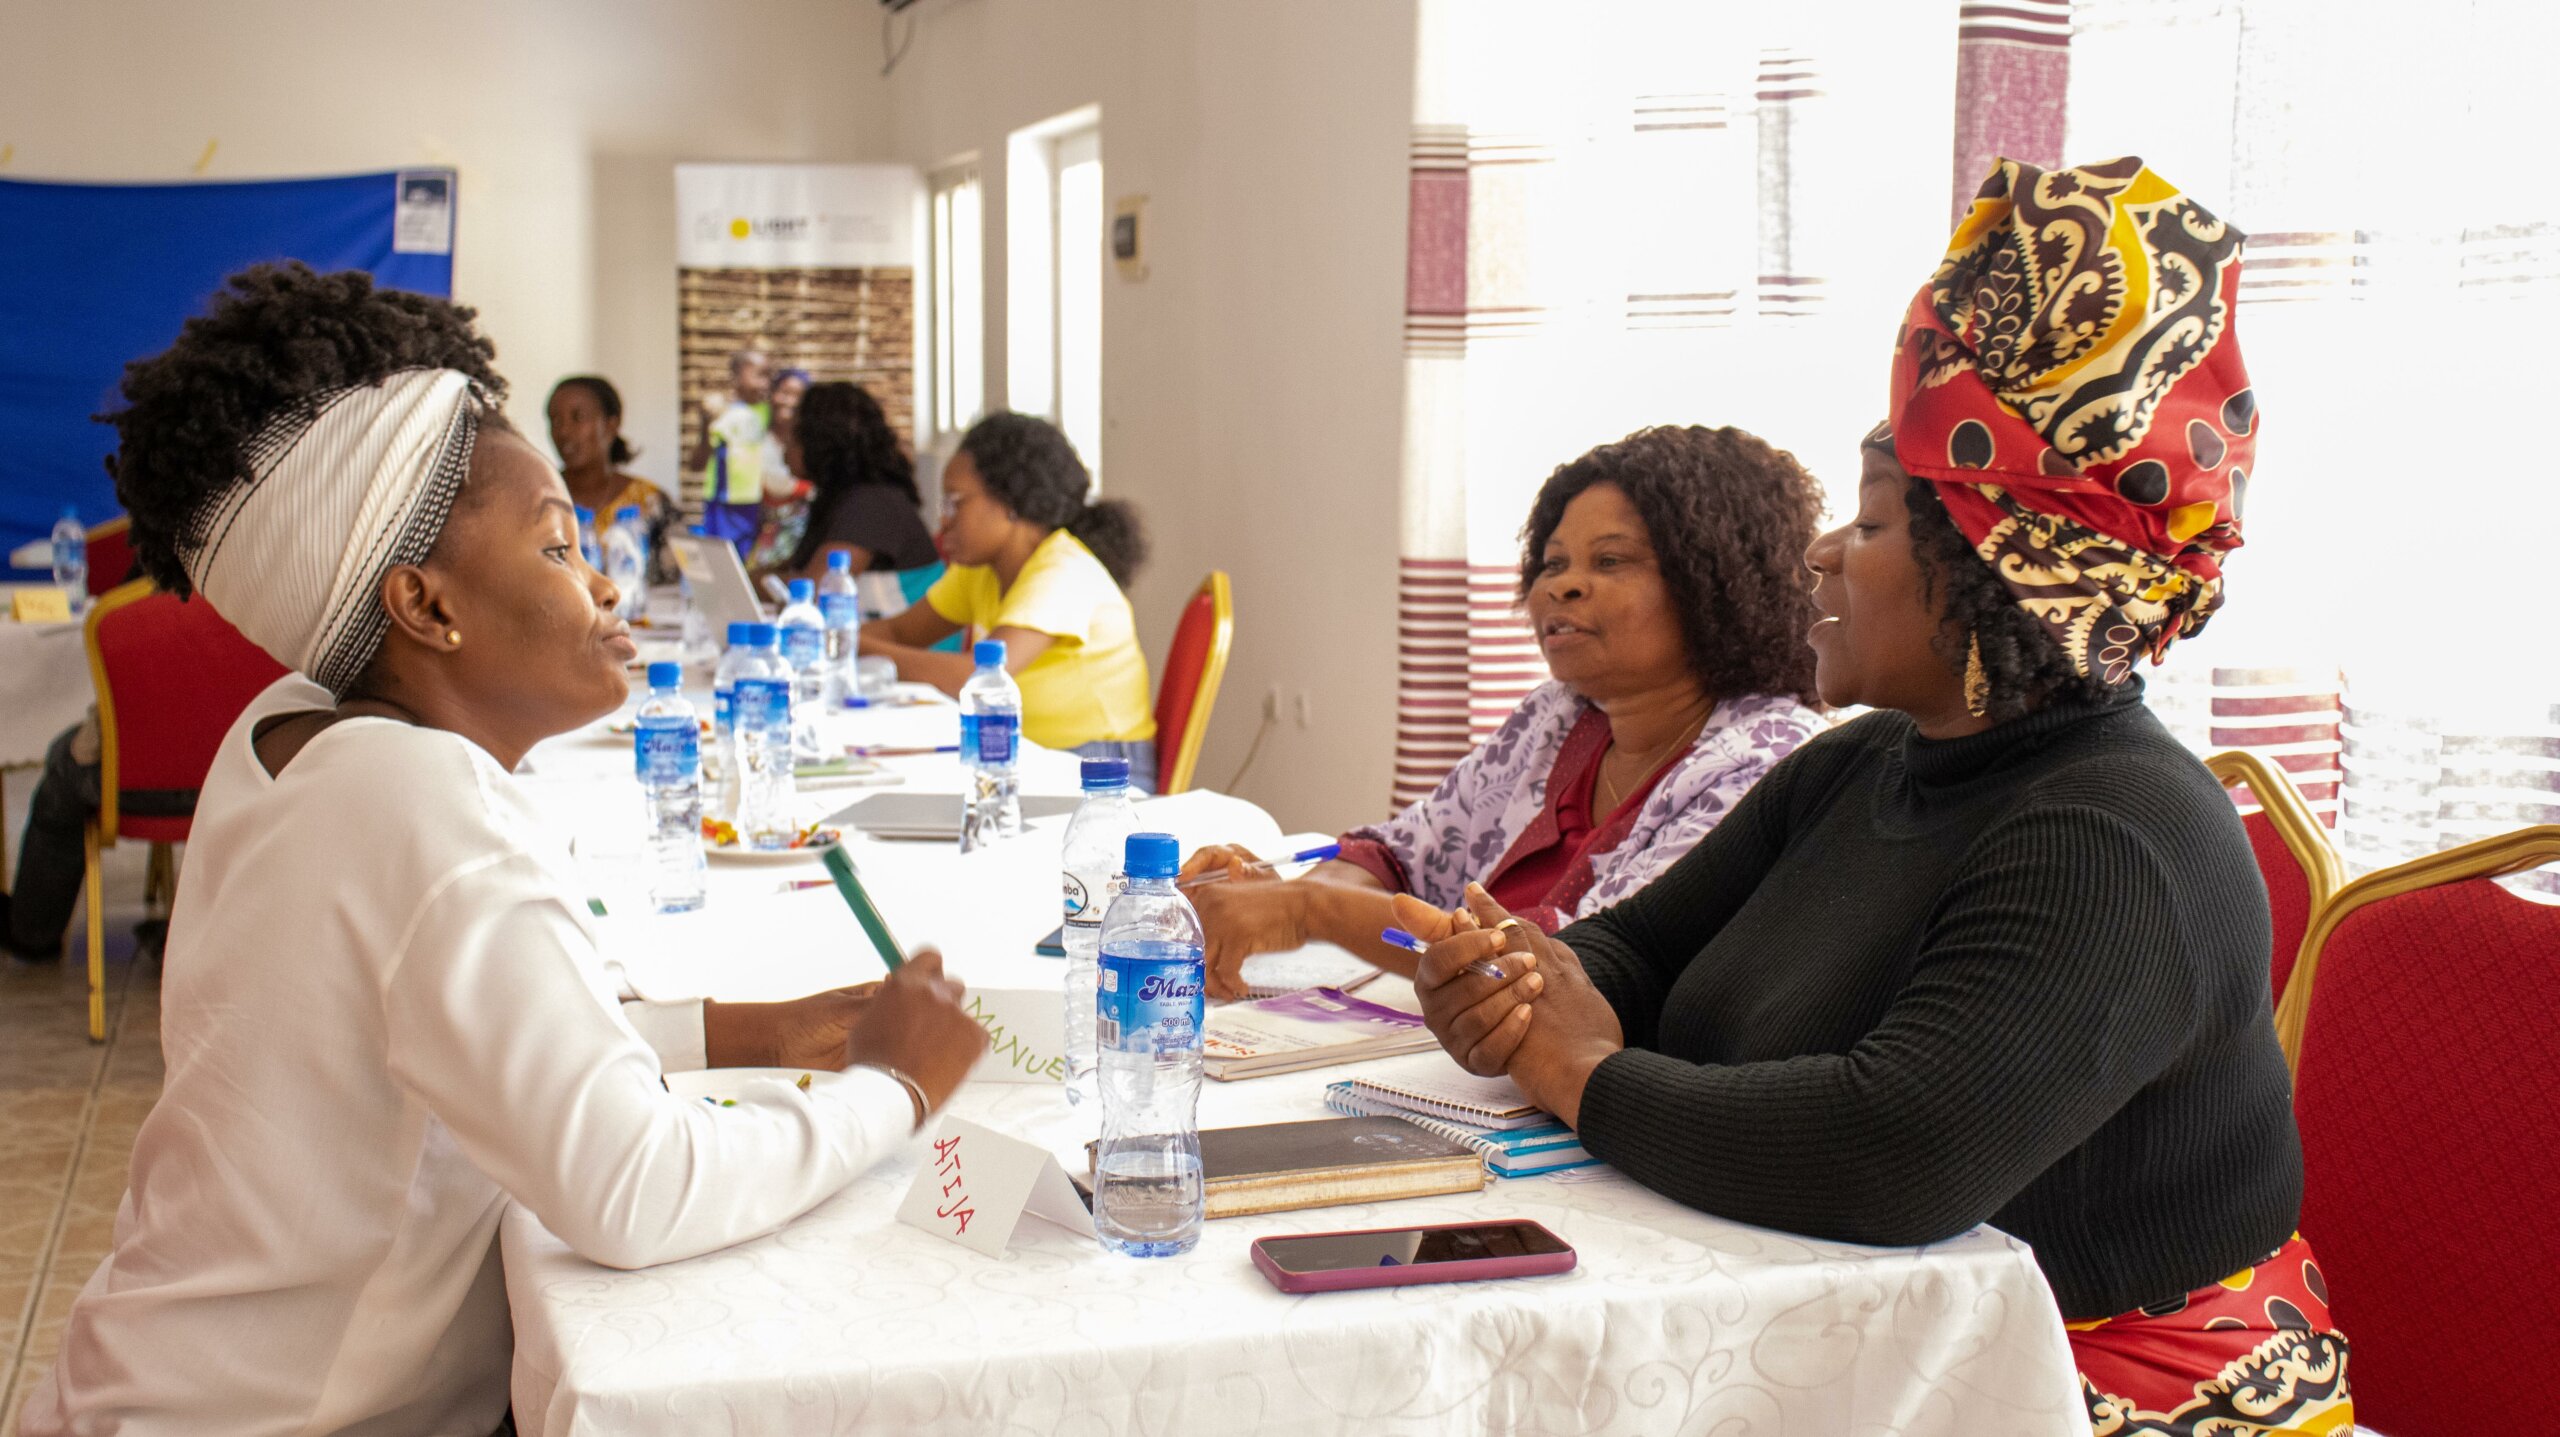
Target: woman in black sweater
1998, 951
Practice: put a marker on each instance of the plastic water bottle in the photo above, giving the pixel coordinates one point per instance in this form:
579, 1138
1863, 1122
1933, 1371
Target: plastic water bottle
1148, 1200
697, 624
626, 560
804, 648
1097, 839
720, 761
587, 547
840, 607
71, 558
990, 740
666, 750
763, 703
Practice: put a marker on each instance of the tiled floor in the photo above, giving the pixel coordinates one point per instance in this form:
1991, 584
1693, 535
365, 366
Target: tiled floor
68, 1112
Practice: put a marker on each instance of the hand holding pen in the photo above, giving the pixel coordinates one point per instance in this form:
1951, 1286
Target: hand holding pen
1260, 867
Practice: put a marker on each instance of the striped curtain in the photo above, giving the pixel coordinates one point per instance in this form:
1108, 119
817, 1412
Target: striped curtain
1656, 211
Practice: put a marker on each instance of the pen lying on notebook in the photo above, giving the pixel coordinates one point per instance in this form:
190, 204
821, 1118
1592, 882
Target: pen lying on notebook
1398, 938
893, 751
1317, 854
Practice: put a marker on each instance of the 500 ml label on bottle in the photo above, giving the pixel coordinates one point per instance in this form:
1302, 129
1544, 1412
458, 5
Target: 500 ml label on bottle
996, 734
1142, 993
667, 753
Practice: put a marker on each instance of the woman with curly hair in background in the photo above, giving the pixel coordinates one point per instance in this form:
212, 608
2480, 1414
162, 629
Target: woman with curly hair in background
1997, 951
1663, 579
386, 1015
1039, 564
863, 501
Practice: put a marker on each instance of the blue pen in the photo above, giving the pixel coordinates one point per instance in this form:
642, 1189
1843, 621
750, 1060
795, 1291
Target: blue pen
891, 751
1317, 854
1398, 938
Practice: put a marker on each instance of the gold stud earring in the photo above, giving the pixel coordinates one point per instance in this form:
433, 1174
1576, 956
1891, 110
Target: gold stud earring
1977, 683
453, 638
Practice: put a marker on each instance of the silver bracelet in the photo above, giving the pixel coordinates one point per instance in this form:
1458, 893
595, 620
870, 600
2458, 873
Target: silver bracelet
915, 1091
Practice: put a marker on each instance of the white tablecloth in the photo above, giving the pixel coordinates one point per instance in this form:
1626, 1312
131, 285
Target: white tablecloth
847, 1321
44, 687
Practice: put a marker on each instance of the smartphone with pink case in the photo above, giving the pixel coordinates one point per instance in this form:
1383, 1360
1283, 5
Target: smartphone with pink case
1399, 1256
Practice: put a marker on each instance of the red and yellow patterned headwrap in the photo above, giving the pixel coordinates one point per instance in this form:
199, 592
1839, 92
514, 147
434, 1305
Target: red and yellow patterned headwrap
2070, 381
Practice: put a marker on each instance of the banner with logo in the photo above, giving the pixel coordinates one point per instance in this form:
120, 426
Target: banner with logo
784, 273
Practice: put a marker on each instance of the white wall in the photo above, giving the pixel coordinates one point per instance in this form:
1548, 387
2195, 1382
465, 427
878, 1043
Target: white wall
564, 117
1253, 382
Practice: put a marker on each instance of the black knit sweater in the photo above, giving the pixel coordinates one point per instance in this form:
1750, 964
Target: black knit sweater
1912, 985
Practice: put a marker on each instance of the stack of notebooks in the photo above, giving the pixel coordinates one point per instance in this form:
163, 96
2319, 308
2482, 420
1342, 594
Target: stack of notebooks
1307, 1029
1489, 1115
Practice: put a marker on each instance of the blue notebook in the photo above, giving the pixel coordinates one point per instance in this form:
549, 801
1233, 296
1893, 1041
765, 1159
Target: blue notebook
1544, 1147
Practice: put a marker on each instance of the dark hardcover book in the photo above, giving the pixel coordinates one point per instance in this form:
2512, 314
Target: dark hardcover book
1276, 1167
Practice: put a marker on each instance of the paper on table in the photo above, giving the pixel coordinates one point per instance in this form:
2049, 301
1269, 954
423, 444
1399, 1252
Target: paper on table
976, 1183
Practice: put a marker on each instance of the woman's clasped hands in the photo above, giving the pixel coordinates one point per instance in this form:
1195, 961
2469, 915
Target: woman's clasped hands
1542, 1022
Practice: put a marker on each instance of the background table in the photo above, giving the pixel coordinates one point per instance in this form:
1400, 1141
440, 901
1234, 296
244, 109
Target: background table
44, 676
847, 1321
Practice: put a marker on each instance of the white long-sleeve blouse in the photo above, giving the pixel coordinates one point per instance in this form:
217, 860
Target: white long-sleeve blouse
384, 1015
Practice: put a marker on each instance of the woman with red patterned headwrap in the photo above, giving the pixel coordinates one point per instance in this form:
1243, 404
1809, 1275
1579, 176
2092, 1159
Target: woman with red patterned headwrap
1998, 951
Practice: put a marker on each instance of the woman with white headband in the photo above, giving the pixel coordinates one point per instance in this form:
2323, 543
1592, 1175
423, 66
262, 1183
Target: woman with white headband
384, 1013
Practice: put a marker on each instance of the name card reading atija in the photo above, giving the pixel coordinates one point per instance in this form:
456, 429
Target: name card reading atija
976, 1184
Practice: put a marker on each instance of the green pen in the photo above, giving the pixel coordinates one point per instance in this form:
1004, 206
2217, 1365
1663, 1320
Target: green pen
840, 868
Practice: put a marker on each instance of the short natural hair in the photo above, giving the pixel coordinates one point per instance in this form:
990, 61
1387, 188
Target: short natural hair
1030, 468
275, 335
1730, 517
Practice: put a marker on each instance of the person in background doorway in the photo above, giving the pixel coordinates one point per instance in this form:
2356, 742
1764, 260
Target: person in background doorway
731, 454
1038, 563
585, 412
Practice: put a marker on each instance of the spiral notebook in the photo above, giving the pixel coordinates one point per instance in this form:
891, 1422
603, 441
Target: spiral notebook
1438, 1088
1544, 1147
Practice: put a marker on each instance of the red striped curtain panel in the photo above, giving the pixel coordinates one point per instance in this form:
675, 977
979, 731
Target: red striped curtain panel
1656, 211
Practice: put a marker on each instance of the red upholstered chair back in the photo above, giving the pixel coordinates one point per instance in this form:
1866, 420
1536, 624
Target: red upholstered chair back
2428, 1092
1194, 667
2301, 866
172, 676
110, 555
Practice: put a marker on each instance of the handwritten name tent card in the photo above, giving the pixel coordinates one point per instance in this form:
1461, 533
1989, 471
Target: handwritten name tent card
38, 605
977, 1183
1026, 1035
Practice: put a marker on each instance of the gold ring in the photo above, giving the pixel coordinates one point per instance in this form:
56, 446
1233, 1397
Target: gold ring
1506, 926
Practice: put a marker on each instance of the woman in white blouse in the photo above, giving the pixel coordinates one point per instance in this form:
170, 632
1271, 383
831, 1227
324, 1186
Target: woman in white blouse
384, 1013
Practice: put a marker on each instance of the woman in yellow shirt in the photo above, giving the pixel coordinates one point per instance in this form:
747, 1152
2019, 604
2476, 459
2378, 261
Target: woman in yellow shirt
1037, 566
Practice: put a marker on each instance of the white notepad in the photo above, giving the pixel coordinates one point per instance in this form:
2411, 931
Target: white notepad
1439, 1088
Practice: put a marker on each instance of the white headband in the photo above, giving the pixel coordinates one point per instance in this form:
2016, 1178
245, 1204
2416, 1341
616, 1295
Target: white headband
342, 488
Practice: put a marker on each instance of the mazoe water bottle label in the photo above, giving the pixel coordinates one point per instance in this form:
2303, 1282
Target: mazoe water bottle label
1139, 994
803, 645
839, 610
667, 751
996, 736
724, 710
765, 701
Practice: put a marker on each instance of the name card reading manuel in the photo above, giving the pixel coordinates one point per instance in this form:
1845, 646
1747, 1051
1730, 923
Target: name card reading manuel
1026, 1035
976, 1184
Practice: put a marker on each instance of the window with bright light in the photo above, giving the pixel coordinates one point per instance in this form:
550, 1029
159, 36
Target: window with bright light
1054, 265
959, 287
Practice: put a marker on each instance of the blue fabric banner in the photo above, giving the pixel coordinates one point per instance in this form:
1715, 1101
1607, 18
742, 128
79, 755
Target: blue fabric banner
95, 276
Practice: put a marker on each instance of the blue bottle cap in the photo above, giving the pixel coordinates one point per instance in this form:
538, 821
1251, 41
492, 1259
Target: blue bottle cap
841, 561
1153, 855
989, 653
1106, 773
663, 675
742, 634
627, 511
801, 589
760, 636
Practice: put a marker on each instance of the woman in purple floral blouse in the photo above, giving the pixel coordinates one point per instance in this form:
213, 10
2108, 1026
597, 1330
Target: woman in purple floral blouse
1664, 577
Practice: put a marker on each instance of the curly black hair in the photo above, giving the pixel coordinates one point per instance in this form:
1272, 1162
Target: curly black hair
275, 335
2023, 665
1031, 468
1730, 518
609, 402
846, 440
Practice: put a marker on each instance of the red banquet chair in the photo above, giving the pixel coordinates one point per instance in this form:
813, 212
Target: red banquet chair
1193, 668
2301, 865
171, 677
110, 555
2428, 1080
